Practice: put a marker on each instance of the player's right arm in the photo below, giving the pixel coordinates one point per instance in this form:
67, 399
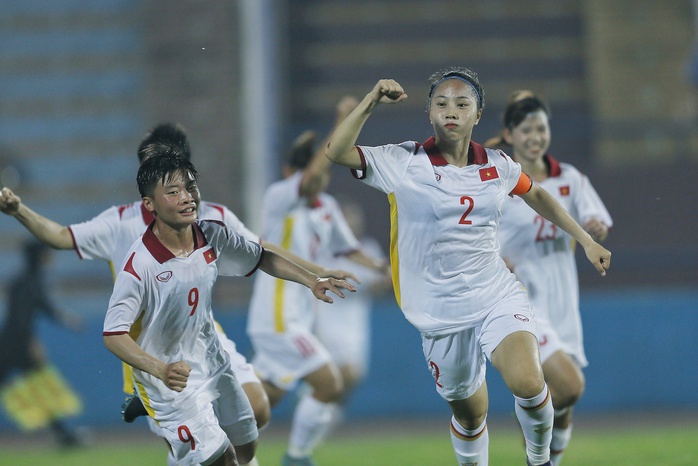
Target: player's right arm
45, 230
340, 148
124, 307
174, 375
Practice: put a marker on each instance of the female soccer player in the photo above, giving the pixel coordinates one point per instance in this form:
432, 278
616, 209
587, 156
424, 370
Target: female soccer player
181, 371
446, 196
542, 256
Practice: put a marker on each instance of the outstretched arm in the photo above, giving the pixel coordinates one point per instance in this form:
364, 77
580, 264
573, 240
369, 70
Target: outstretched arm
280, 267
546, 205
174, 375
340, 148
45, 230
310, 266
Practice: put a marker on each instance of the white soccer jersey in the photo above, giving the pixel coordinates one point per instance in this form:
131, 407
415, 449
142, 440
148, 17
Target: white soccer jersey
110, 234
543, 254
445, 260
173, 295
303, 230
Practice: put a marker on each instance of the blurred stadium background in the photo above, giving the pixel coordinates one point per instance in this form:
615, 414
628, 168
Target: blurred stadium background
81, 82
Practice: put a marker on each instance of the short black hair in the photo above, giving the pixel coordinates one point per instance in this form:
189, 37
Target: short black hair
302, 151
465, 74
517, 110
164, 135
159, 169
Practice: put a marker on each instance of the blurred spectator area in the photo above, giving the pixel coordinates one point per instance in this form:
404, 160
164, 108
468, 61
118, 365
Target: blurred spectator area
83, 81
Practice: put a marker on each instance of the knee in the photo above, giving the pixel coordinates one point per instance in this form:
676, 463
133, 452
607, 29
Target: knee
260, 403
331, 392
528, 386
567, 392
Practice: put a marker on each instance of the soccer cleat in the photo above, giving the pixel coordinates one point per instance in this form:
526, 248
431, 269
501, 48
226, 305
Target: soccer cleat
289, 461
132, 408
547, 463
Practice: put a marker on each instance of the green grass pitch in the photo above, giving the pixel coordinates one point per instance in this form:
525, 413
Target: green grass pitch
615, 445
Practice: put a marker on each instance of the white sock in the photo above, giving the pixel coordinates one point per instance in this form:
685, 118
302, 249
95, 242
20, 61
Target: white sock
535, 416
311, 423
561, 438
470, 446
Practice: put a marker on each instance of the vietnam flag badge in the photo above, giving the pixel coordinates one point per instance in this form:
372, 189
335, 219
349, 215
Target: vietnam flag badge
564, 190
210, 256
489, 173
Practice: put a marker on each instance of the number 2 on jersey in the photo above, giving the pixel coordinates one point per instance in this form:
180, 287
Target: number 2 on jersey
466, 200
193, 300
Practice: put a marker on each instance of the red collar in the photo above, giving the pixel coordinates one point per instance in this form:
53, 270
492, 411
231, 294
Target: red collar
476, 153
553, 165
160, 252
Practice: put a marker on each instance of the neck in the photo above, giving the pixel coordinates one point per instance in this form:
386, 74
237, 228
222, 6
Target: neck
179, 240
536, 169
455, 153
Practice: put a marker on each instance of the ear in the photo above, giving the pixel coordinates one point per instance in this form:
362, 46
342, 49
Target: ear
148, 203
479, 115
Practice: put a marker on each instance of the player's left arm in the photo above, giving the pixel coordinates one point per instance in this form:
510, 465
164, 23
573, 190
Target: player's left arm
542, 202
280, 267
308, 265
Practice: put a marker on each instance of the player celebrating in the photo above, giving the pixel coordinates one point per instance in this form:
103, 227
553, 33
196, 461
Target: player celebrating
109, 235
180, 369
303, 219
542, 256
446, 196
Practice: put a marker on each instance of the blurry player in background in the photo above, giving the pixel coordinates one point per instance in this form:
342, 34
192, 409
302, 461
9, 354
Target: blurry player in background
543, 259
34, 394
301, 218
344, 328
181, 370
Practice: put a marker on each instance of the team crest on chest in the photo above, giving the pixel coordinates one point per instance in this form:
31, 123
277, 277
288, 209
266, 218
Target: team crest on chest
164, 277
564, 190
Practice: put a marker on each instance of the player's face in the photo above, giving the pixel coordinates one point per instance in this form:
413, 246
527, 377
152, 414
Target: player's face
530, 139
453, 110
176, 201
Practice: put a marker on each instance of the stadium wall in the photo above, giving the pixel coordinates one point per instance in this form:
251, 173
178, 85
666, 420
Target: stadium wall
641, 344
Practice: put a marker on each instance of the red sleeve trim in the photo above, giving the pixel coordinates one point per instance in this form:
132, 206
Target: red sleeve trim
261, 256
75, 244
120, 332
360, 174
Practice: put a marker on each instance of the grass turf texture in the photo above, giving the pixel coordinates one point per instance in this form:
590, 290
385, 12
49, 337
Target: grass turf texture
632, 446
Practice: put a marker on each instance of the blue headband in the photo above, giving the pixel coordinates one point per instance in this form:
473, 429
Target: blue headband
479, 100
